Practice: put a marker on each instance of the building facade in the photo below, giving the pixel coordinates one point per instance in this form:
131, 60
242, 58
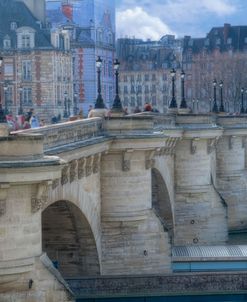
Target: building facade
36, 72
221, 55
92, 31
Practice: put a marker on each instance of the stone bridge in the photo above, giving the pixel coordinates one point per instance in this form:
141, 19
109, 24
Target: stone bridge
112, 197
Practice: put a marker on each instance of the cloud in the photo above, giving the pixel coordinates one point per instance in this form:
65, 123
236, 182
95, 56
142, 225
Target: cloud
137, 22
191, 17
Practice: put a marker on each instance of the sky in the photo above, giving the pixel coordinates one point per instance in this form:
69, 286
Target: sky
152, 19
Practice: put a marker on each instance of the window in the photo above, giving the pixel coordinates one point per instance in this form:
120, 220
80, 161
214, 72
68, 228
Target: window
132, 102
126, 101
27, 70
139, 88
139, 101
139, 77
206, 42
146, 89
153, 77
153, 88
229, 41
110, 69
9, 95
125, 89
132, 78
146, 77
125, 78
25, 41
218, 41
154, 101
27, 96
245, 40
164, 77
8, 69
132, 89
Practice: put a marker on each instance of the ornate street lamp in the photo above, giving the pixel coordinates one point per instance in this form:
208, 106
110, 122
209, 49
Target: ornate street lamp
99, 101
2, 115
215, 107
222, 109
65, 114
173, 103
20, 111
242, 101
6, 109
246, 101
75, 104
183, 101
117, 105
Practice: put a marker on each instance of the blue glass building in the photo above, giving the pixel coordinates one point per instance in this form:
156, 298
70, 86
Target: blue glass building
94, 35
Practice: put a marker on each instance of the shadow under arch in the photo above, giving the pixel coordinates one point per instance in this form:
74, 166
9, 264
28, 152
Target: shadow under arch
161, 202
68, 240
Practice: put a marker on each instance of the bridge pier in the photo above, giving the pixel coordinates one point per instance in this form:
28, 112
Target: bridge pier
231, 171
200, 214
133, 239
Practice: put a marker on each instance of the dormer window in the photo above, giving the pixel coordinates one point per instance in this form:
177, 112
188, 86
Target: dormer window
6, 42
13, 26
25, 37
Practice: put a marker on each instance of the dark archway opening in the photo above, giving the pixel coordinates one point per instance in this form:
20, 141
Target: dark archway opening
68, 240
161, 203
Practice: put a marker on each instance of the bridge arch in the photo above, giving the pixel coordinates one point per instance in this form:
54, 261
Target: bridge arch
161, 201
68, 240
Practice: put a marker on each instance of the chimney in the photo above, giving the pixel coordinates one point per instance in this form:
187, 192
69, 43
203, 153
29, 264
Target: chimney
226, 30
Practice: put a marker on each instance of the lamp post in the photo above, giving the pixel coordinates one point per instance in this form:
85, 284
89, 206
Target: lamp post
75, 104
65, 114
117, 105
6, 109
173, 103
20, 111
242, 101
222, 109
99, 101
246, 102
183, 101
2, 115
215, 107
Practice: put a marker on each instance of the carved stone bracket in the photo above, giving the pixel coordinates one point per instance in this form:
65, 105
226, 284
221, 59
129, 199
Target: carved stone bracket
243, 141
211, 144
230, 142
81, 167
89, 165
73, 170
65, 175
39, 200
127, 154
150, 161
96, 163
3, 196
193, 145
55, 183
